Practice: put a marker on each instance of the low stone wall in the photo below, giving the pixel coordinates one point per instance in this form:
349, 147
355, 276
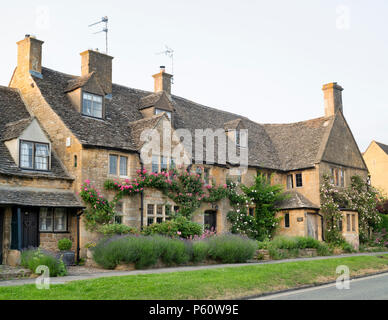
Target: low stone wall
264, 254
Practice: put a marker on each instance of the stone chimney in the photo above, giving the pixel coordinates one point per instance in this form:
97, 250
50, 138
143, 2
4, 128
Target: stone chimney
101, 64
30, 56
332, 93
163, 81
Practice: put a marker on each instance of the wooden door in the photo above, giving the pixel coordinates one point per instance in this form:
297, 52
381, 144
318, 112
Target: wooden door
210, 220
30, 235
1, 234
312, 225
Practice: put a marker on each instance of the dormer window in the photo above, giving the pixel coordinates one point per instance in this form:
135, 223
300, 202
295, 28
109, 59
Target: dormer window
159, 111
34, 156
92, 105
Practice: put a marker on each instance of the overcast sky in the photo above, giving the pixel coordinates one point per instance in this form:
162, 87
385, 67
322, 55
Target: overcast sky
266, 60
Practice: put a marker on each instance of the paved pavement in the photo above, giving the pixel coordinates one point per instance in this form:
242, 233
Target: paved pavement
368, 288
105, 273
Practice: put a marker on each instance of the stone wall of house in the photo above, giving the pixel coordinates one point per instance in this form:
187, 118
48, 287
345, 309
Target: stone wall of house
35, 182
49, 241
377, 161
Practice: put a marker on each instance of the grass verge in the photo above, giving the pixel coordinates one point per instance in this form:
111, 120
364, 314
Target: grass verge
222, 283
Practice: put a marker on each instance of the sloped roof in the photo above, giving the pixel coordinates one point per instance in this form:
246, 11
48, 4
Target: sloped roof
231, 125
273, 146
299, 144
384, 147
294, 200
78, 82
138, 126
14, 118
38, 197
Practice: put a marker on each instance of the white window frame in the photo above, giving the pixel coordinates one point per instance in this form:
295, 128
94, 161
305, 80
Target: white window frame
34, 145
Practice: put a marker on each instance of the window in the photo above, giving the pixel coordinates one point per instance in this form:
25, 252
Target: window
75, 161
338, 177
176, 209
168, 212
159, 111
290, 181
287, 220
34, 155
298, 180
348, 223
118, 164
340, 225
172, 163
123, 166
159, 215
251, 212
155, 164
353, 222
52, 220
92, 105
113, 164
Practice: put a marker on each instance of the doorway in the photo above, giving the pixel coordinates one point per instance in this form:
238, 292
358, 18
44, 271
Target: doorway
30, 234
312, 225
210, 220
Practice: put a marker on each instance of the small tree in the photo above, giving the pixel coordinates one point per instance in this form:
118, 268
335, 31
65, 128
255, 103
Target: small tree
264, 196
364, 198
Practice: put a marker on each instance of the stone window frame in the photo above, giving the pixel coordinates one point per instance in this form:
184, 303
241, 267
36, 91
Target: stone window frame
34, 143
155, 216
51, 211
119, 213
170, 163
118, 165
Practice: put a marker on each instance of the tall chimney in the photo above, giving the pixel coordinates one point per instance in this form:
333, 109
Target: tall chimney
163, 81
101, 64
30, 56
332, 93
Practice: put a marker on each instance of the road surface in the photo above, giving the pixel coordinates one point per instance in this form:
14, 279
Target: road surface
368, 288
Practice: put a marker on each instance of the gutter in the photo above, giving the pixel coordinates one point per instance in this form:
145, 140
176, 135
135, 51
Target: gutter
141, 201
78, 236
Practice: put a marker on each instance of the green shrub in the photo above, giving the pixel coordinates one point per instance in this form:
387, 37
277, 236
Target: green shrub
200, 251
116, 229
34, 258
263, 244
384, 222
347, 247
231, 248
173, 251
179, 227
64, 244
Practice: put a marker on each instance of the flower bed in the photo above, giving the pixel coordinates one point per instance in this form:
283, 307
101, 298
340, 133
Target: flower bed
150, 251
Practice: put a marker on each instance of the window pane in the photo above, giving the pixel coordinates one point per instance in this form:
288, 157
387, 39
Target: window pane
123, 166
290, 182
41, 156
353, 222
299, 182
159, 220
168, 210
237, 132
26, 154
155, 164
150, 210
342, 178
172, 163
207, 175
113, 164
92, 105
348, 222
163, 163
60, 221
251, 212
150, 221
159, 210
45, 219
287, 220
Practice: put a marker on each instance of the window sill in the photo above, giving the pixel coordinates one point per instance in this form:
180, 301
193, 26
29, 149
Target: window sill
49, 232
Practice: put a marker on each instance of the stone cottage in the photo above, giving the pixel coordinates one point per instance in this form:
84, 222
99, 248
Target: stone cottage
93, 128
376, 158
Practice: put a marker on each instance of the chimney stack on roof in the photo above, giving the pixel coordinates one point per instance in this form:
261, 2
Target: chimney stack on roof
332, 93
30, 56
101, 64
163, 81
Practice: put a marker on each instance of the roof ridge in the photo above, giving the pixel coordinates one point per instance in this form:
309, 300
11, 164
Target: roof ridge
147, 119
17, 121
298, 122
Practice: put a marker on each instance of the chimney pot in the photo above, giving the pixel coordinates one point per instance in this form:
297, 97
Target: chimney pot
332, 93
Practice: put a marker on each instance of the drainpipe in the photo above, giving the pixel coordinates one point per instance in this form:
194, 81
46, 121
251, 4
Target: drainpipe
78, 235
19, 219
141, 201
322, 223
